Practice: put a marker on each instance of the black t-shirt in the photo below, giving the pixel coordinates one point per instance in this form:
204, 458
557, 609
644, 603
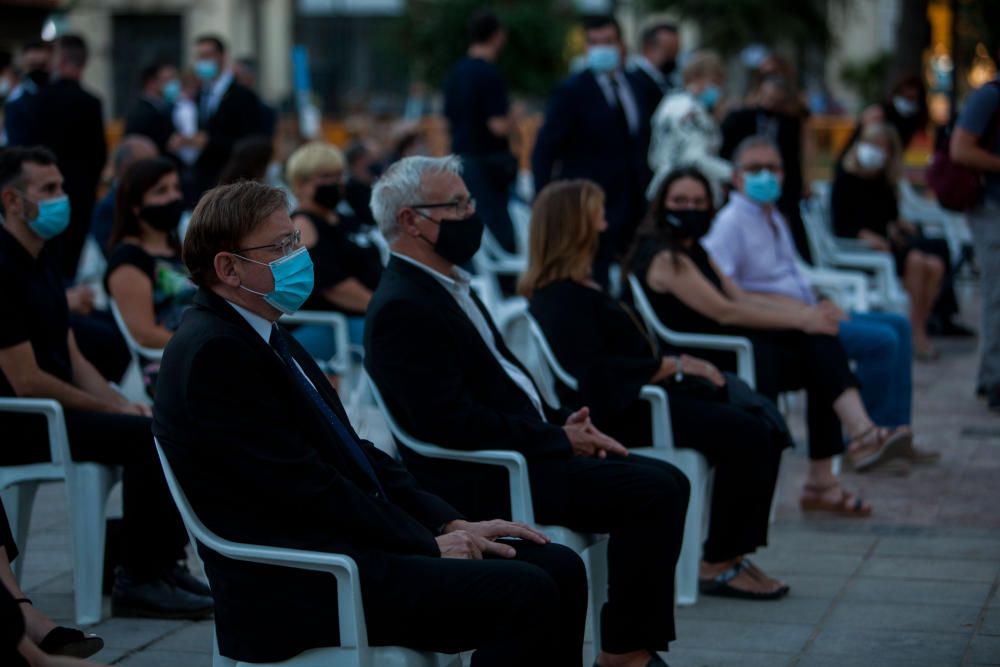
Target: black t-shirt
858, 203
335, 259
173, 290
474, 92
33, 303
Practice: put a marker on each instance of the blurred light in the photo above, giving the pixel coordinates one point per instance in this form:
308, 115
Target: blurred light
983, 68
49, 30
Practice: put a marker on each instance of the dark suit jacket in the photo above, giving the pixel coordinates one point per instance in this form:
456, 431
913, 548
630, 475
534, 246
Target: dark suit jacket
649, 88
20, 118
71, 123
237, 117
444, 386
583, 138
150, 120
260, 464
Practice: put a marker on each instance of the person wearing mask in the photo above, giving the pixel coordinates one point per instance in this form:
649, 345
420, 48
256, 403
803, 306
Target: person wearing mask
152, 114
976, 124
264, 451
655, 67
361, 174
227, 110
21, 105
795, 345
448, 378
864, 206
131, 149
750, 244
595, 128
245, 72
78, 141
346, 274
602, 344
685, 132
479, 118
770, 115
145, 275
905, 109
39, 357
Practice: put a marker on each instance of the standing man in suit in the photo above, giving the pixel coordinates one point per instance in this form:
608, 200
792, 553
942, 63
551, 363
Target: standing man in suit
448, 378
265, 452
654, 68
71, 124
21, 106
596, 127
151, 114
227, 111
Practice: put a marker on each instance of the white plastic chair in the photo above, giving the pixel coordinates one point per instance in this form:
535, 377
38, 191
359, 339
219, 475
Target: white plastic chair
935, 220
593, 548
691, 463
354, 650
847, 289
88, 486
132, 385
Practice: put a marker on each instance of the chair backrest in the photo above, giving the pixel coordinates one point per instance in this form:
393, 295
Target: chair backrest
538, 336
138, 351
821, 242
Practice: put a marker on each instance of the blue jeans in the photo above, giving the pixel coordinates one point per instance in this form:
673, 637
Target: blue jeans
319, 341
881, 346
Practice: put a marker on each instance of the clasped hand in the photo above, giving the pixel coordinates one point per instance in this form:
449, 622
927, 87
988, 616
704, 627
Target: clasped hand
586, 440
475, 541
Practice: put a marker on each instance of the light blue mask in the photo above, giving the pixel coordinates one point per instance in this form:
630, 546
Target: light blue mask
603, 59
206, 69
762, 186
52, 219
293, 280
709, 97
171, 90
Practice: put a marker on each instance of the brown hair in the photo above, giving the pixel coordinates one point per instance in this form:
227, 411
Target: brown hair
222, 219
563, 237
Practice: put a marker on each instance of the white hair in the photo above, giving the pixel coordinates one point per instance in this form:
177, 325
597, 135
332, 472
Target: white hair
402, 185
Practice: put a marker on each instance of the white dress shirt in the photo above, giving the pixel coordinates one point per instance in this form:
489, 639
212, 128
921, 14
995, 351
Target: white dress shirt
458, 286
625, 94
212, 98
264, 327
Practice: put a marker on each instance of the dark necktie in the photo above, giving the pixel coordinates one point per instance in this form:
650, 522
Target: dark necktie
619, 106
349, 443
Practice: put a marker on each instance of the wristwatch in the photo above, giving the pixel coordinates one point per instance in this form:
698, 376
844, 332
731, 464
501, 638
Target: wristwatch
679, 370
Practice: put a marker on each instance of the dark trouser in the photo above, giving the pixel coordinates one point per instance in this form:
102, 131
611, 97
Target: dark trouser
491, 199
6, 536
745, 457
101, 343
154, 535
527, 611
641, 503
791, 360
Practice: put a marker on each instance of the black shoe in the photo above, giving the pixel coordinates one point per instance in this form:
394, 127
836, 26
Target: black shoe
181, 577
993, 398
956, 330
157, 598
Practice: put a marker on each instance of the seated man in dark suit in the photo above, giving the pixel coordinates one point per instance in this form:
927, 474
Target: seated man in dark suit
447, 376
266, 454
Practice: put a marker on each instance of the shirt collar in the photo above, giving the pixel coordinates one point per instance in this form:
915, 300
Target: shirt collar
222, 83
458, 281
12, 248
258, 323
656, 75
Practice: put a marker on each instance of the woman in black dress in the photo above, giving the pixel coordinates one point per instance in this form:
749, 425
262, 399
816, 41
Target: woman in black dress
795, 346
602, 343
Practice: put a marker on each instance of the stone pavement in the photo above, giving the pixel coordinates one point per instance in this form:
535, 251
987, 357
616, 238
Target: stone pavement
914, 585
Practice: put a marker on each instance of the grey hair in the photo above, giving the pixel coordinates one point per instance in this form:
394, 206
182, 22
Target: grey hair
751, 142
402, 185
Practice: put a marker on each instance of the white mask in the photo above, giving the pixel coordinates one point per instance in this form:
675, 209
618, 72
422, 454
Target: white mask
870, 156
906, 107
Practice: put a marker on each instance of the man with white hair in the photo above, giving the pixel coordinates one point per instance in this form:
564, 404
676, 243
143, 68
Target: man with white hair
448, 378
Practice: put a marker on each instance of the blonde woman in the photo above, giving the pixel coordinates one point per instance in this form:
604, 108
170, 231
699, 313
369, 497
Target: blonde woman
602, 343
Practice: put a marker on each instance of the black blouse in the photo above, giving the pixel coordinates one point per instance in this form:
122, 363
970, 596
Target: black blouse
859, 203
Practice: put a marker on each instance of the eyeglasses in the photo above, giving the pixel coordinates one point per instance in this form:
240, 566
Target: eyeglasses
458, 206
285, 246
753, 168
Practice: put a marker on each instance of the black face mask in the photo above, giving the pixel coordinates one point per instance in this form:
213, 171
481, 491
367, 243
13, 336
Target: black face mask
688, 223
327, 195
39, 77
164, 217
458, 240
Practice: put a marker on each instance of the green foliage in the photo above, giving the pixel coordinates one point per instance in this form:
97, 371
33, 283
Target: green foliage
729, 25
867, 78
433, 34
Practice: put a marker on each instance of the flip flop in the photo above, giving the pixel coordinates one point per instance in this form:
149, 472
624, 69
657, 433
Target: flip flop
894, 444
719, 586
842, 505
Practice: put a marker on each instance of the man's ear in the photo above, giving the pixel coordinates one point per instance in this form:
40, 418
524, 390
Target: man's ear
408, 222
11, 201
225, 269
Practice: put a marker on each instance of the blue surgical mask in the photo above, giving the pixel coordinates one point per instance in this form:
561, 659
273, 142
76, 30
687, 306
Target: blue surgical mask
603, 59
52, 219
293, 280
206, 69
709, 97
171, 90
762, 186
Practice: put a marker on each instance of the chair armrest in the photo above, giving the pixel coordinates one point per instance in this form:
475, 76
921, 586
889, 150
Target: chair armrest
341, 360
850, 286
659, 407
55, 421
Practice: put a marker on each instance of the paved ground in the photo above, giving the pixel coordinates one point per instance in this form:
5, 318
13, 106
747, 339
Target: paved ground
915, 585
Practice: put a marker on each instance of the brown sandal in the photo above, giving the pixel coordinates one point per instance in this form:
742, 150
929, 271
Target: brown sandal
814, 499
889, 444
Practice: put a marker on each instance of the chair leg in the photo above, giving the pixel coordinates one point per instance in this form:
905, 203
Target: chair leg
87, 486
597, 575
18, 501
687, 564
